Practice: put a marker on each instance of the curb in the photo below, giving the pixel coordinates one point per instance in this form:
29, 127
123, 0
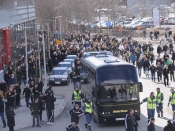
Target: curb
62, 109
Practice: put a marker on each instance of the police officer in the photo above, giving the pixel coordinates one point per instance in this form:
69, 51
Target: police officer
131, 91
160, 99
88, 109
75, 113
151, 105
77, 96
172, 99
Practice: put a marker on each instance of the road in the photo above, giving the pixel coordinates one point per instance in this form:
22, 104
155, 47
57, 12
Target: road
148, 86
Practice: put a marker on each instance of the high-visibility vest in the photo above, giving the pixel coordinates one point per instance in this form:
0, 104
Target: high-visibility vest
172, 99
158, 97
77, 96
151, 103
130, 90
88, 108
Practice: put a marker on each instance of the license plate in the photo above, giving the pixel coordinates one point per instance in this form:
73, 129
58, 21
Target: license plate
57, 82
119, 119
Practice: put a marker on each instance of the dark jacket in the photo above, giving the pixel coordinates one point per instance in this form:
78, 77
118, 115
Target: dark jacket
153, 69
165, 48
50, 102
139, 64
1, 106
128, 122
36, 109
165, 72
169, 127
40, 86
171, 68
3, 87
146, 64
151, 127
159, 49
11, 81
74, 114
6, 78
10, 119
159, 69
173, 56
27, 92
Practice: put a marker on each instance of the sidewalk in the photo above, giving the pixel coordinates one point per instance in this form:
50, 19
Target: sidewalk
23, 119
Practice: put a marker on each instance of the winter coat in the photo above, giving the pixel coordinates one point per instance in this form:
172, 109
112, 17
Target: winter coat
10, 119
151, 127
169, 127
50, 102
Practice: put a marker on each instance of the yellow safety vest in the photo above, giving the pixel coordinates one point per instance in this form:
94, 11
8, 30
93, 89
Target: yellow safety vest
130, 90
158, 97
151, 103
88, 108
172, 99
77, 96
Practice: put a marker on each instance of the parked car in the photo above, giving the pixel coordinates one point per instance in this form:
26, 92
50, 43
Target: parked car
70, 60
59, 75
71, 57
66, 64
143, 25
171, 20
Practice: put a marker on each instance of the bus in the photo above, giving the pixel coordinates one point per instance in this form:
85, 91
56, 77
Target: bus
113, 86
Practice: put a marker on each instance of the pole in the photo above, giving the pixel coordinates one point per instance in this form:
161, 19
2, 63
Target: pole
44, 57
48, 38
39, 57
26, 56
60, 31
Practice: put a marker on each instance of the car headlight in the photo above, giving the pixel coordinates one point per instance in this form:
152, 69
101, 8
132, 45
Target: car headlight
64, 79
51, 79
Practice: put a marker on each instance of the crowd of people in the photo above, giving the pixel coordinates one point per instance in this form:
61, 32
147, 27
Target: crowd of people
128, 49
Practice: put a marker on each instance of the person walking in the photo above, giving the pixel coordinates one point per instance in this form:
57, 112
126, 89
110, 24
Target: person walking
2, 112
146, 66
77, 96
74, 79
88, 109
173, 56
130, 121
153, 71
151, 126
172, 99
75, 113
35, 112
50, 107
72, 127
159, 70
159, 50
27, 92
10, 118
165, 75
169, 126
151, 105
144, 34
160, 99
171, 69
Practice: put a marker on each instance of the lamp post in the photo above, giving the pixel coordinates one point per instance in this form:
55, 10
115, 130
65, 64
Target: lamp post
60, 26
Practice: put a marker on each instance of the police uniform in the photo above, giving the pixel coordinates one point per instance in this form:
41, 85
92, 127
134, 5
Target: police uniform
172, 100
151, 105
159, 98
130, 91
77, 96
88, 113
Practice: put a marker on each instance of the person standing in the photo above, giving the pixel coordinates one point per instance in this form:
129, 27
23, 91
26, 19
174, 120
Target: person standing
88, 109
130, 121
151, 126
146, 66
27, 93
169, 126
159, 50
172, 99
2, 112
40, 85
50, 107
75, 113
35, 112
77, 96
160, 99
153, 71
159, 70
165, 75
74, 79
131, 91
144, 34
10, 118
171, 69
151, 105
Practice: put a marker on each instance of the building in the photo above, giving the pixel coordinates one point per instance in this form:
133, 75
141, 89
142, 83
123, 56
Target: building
15, 14
142, 8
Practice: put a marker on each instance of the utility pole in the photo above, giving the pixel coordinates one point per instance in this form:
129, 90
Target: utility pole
26, 56
48, 38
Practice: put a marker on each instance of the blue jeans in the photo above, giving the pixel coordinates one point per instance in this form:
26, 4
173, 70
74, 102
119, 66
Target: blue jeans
151, 113
27, 101
146, 71
139, 71
160, 109
88, 118
37, 118
74, 84
2, 117
153, 76
173, 107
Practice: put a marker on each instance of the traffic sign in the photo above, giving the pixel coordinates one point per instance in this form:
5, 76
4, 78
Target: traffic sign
138, 28
92, 25
120, 28
108, 24
58, 42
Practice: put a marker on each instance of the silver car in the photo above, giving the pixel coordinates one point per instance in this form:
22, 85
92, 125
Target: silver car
66, 64
72, 62
59, 75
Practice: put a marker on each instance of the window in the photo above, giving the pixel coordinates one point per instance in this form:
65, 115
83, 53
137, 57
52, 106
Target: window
59, 72
1, 37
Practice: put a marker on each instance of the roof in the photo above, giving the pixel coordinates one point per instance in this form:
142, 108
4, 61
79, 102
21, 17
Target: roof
87, 54
60, 68
103, 60
69, 59
64, 63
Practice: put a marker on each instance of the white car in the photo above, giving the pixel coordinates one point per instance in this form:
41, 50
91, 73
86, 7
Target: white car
171, 20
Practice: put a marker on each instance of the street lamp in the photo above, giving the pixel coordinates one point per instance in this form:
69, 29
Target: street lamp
60, 26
